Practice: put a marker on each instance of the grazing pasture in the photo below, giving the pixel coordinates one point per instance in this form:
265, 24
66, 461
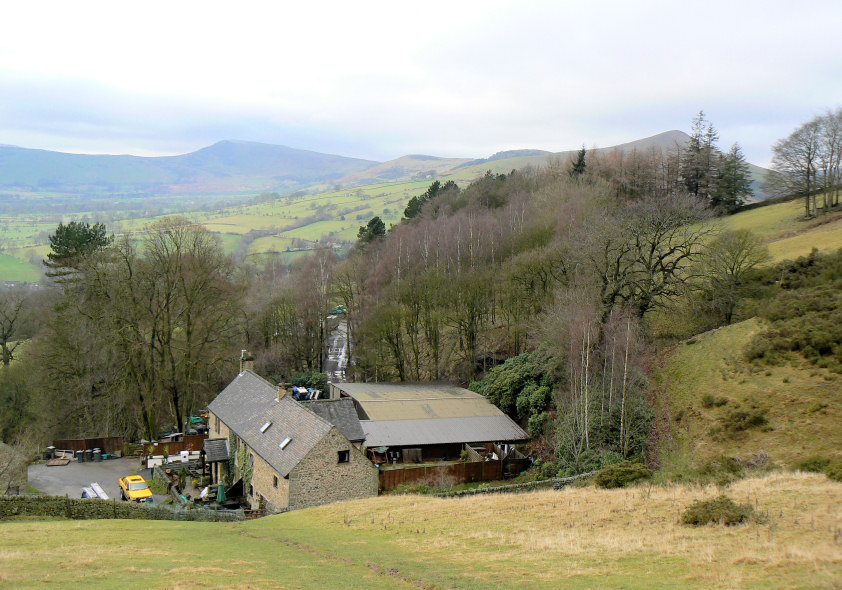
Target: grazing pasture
574, 538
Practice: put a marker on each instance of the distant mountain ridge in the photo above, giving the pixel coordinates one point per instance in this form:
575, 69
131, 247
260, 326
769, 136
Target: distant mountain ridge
242, 167
222, 168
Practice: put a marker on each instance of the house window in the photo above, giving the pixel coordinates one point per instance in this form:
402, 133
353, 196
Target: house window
251, 490
275, 481
216, 423
344, 456
251, 460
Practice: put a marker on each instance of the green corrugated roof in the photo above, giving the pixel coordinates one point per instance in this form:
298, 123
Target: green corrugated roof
400, 401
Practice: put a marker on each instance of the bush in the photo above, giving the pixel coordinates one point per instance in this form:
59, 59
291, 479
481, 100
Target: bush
549, 469
721, 470
520, 387
739, 420
709, 400
313, 379
834, 470
621, 474
722, 510
537, 424
815, 464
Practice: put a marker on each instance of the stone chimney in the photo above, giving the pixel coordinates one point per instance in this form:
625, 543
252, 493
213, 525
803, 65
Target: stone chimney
246, 361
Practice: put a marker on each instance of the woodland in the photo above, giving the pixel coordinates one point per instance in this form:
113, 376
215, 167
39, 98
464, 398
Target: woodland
547, 290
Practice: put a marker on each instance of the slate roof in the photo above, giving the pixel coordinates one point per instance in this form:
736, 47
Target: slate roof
403, 401
216, 449
341, 413
477, 429
249, 402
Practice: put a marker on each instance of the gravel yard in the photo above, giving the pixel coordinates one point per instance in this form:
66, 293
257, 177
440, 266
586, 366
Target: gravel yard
71, 478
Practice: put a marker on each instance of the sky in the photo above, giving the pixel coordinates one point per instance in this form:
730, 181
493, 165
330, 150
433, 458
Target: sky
379, 80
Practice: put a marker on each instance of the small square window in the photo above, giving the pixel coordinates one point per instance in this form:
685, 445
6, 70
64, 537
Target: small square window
275, 481
344, 456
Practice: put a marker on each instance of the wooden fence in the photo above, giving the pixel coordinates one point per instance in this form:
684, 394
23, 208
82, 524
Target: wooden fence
441, 475
112, 444
190, 442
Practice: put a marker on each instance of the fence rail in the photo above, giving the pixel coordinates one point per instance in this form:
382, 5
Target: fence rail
190, 442
110, 444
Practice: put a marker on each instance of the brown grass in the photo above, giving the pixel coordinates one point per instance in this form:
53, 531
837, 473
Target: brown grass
584, 534
574, 538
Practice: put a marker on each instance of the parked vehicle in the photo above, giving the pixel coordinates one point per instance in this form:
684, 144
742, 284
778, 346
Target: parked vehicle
134, 488
94, 491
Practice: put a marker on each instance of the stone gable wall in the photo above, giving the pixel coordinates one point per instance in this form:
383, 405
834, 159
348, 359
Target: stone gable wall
320, 479
264, 485
223, 429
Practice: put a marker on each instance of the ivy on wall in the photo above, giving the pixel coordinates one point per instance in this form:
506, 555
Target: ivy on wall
245, 466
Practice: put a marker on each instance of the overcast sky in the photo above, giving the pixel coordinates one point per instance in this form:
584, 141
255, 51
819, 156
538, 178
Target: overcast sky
382, 79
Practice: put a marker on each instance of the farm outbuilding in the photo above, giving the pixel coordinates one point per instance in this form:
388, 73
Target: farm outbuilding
406, 423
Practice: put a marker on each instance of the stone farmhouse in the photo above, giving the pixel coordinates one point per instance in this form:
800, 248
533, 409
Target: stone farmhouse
293, 453
288, 454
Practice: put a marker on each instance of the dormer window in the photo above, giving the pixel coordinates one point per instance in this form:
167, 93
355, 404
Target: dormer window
285, 442
265, 427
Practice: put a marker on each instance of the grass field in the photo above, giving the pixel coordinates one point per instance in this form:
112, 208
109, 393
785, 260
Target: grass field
15, 269
802, 403
573, 538
786, 231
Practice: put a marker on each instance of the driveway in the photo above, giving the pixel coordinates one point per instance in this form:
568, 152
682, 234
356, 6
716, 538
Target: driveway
68, 480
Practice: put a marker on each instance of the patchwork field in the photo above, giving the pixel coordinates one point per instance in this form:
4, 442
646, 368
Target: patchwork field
574, 538
334, 216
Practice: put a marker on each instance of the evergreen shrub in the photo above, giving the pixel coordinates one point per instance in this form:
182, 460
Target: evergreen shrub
621, 475
720, 510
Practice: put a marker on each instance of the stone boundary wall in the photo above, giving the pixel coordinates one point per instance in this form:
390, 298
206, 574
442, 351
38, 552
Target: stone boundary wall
555, 482
84, 509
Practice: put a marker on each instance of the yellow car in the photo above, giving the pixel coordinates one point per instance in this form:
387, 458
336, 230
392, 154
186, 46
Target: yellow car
134, 488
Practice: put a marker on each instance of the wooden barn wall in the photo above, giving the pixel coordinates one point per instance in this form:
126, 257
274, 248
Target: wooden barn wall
441, 475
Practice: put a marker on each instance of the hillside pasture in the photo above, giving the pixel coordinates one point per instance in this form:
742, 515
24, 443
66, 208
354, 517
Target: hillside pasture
705, 379
786, 231
826, 237
573, 538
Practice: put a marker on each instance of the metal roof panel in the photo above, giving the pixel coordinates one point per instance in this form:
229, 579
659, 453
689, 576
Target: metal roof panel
428, 431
